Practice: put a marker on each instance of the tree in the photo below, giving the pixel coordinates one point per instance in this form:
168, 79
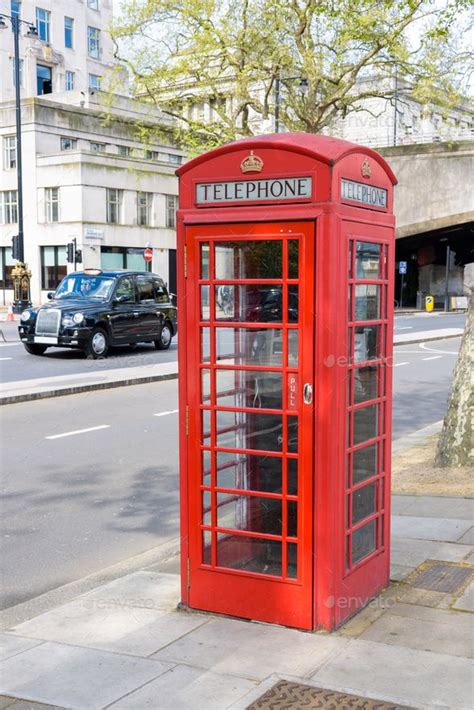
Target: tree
226, 57
456, 441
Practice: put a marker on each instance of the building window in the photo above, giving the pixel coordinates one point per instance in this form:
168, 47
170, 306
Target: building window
171, 207
173, 158
44, 79
8, 207
43, 24
51, 201
94, 82
53, 266
124, 150
97, 147
93, 42
9, 152
114, 203
68, 32
21, 72
7, 262
113, 258
152, 155
144, 200
68, 143
69, 82
93, 4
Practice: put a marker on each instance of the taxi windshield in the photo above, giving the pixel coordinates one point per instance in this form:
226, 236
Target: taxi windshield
85, 286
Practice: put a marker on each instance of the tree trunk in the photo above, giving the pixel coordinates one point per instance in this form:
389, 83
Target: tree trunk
456, 444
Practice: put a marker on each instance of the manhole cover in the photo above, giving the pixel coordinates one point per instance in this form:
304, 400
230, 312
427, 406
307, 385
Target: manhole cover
443, 578
293, 696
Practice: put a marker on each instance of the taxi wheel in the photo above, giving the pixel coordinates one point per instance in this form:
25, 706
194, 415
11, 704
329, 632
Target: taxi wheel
98, 344
35, 349
166, 336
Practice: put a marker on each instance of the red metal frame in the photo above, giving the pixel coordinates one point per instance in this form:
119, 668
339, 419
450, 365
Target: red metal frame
330, 584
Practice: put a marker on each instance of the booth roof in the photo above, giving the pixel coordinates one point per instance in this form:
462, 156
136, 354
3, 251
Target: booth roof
323, 148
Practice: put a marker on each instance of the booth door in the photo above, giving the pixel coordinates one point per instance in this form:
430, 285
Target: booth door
250, 330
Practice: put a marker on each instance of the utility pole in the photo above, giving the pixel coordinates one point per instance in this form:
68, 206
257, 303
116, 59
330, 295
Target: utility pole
446, 281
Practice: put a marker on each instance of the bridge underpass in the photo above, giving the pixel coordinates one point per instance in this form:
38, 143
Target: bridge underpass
434, 207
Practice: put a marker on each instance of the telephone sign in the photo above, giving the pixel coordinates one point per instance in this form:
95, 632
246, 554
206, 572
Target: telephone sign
402, 267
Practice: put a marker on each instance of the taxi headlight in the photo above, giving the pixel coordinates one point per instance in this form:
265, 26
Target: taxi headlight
78, 318
67, 321
26, 315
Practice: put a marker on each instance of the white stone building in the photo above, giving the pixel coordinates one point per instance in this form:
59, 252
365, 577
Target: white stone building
86, 176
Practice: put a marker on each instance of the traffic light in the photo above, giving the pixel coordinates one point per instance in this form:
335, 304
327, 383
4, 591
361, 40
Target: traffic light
16, 248
78, 256
71, 248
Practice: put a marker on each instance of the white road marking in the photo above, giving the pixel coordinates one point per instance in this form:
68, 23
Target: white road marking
6, 358
403, 327
399, 364
424, 346
78, 431
163, 414
433, 357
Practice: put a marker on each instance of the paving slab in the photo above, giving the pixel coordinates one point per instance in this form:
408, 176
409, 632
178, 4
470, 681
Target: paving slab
95, 623
73, 677
407, 675
11, 645
469, 558
149, 590
466, 600
424, 628
408, 551
433, 507
14, 704
252, 650
468, 537
425, 528
399, 572
184, 687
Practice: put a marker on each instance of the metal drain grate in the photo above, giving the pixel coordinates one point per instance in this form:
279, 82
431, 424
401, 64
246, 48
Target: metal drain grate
441, 577
294, 696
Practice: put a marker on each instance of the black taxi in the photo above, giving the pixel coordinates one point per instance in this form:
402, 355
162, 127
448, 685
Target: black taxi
94, 309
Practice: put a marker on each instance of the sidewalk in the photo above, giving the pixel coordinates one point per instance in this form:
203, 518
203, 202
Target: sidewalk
125, 645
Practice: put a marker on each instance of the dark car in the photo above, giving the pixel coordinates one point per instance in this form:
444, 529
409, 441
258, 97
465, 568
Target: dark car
93, 309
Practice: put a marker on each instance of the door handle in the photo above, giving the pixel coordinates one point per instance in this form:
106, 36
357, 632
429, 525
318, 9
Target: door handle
308, 393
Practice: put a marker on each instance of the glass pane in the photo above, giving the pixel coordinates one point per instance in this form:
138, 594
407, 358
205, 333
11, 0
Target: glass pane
205, 344
363, 541
367, 260
293, 304
292, 522
205, 386
365, 423
292, 559
206, 468
205, 305
206, 426
292, 434
293, 476
249, 388
248, 303
204, 261
363, 503
365, 384
249, 473
48, 256
367, 344
293, 250
206, 547
206, 508
249, 553
292, 348
249, 260
364, 463
249, 346
259, 515
367, 302
248, 430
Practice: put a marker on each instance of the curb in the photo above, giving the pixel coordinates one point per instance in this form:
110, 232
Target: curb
78, 389
428, 340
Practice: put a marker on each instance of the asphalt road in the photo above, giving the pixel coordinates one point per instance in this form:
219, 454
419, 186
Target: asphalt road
75, 501
17, 365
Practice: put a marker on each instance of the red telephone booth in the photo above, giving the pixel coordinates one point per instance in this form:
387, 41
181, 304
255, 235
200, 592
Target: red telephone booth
285, 268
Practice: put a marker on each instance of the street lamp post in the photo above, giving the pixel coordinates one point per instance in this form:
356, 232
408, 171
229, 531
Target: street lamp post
20, 273
304, 89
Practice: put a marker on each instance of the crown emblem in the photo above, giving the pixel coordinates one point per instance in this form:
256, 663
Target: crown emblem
251, 164
366, 169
